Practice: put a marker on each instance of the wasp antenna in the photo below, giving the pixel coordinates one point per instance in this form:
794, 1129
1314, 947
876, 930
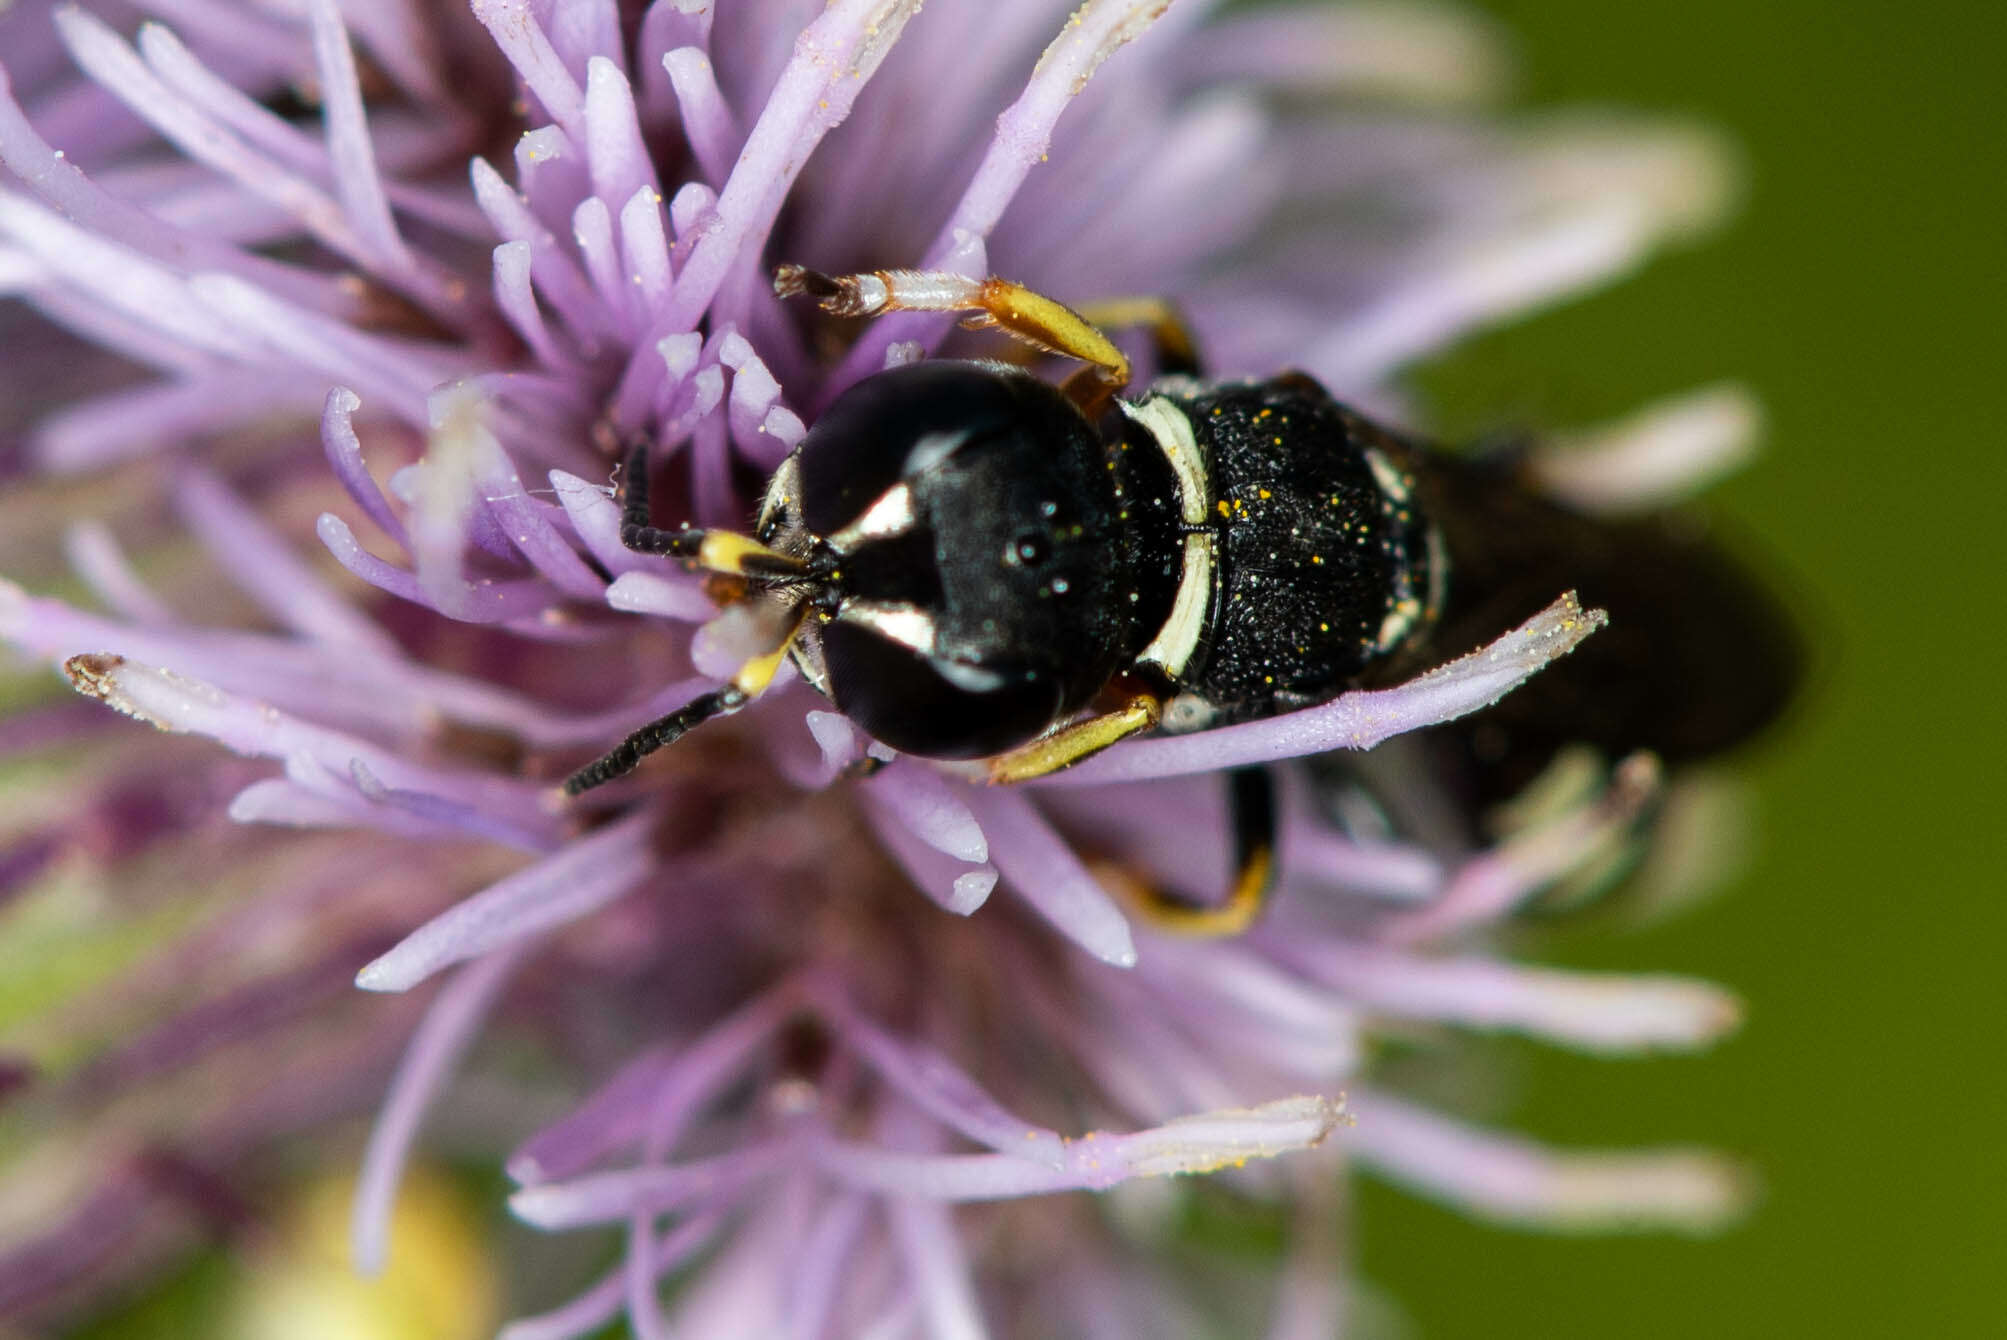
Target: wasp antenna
721, 551
754, 677
624, 757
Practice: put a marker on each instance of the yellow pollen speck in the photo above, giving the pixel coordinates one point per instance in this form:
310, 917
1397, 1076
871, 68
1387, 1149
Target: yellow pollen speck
1264, 493
1224, 509
1323, 627
1317, 558
1278, 439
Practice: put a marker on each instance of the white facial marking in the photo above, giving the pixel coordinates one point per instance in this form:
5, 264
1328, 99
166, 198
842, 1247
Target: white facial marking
891, 514
931, 450
907, 625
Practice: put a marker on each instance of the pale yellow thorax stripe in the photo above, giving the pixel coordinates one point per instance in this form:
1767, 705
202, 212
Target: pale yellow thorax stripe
1175, 642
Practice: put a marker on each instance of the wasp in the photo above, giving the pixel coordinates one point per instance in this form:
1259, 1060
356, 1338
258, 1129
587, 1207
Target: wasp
974, 563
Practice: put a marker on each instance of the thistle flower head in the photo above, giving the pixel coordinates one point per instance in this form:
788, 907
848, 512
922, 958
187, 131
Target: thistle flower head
405, 279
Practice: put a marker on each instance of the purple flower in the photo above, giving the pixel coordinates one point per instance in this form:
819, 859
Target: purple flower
483, 252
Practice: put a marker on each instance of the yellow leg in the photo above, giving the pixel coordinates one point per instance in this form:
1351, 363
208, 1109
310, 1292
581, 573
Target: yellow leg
1245, 898
1069, 744
1170, 338
1037, 320
1251, 803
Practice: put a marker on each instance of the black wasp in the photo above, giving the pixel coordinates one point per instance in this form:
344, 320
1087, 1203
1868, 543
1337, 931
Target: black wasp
973, 563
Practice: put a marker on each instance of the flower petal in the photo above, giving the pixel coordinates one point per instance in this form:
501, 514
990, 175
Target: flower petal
1356, 720
448, 1027
563, 887
1657, 456
1046, 873
1517, 1182
1204, 1142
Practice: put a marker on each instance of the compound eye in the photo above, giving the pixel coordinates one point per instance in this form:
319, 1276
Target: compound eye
934, 709
1030, 548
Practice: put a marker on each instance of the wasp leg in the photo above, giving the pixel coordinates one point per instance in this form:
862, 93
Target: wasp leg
1069, 744
713, 550
1251, 804
1039, 321
1172, 345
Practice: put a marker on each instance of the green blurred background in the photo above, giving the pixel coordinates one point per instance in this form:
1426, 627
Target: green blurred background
1860, 292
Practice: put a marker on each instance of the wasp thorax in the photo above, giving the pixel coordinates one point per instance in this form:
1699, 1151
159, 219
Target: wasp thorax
988, 568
